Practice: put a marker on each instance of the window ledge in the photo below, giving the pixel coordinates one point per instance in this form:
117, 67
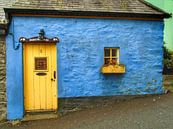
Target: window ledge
113, 68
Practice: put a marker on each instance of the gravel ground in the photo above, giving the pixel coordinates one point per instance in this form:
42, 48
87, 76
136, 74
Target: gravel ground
153, 112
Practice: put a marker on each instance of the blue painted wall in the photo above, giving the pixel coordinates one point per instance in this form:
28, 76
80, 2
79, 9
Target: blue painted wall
80, 57
14, 73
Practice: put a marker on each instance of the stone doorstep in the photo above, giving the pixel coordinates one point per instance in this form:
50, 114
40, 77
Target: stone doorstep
33, 117
40, 116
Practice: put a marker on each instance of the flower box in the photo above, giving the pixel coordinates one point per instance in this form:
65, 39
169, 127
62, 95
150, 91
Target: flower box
113, 68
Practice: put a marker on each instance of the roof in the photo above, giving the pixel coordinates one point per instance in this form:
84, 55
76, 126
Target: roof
4, 4
82, 6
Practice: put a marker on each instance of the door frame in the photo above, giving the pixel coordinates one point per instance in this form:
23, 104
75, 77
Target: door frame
41, 39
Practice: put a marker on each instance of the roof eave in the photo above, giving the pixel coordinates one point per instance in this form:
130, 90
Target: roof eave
156, 8
10, 11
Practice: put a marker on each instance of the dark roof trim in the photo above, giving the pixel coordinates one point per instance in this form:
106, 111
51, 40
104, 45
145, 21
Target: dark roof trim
154, 7
10, 11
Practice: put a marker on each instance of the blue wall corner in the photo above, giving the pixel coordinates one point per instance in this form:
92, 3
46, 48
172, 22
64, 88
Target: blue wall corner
14, 79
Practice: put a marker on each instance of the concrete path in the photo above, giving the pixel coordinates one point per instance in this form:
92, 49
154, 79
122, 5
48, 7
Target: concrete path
153, 112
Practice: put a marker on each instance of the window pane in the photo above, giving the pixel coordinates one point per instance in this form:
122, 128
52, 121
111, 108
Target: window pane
107, 61
114, 52
114, 61
107, 52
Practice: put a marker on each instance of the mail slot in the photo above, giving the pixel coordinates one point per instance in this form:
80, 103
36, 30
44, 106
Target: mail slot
41, 74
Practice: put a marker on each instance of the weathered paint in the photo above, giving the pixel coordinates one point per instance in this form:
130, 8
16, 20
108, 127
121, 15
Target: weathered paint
81, 55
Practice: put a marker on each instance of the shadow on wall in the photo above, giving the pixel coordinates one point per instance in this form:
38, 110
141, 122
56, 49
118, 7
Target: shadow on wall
109, 86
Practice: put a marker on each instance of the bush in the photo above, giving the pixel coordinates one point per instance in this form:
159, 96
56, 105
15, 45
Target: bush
168, 61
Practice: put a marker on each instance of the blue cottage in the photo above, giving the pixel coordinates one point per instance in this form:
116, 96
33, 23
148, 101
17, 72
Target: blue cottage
81, 48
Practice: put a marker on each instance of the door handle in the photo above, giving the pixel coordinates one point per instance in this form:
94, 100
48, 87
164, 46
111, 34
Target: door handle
54, 74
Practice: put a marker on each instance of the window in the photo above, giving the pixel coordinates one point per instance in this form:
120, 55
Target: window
111, 56
111, 62
40, 63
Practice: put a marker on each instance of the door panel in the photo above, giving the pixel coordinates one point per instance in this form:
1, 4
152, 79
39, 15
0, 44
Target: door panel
40, 87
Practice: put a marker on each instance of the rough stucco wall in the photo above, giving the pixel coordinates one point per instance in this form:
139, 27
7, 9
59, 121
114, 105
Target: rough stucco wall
166, 5
81, 53
80, 57
14, 75
2, 80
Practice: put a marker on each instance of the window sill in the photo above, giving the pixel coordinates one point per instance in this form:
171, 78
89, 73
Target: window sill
113, 68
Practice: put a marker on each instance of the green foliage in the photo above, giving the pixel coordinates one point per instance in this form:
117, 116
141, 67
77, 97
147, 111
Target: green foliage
168, 61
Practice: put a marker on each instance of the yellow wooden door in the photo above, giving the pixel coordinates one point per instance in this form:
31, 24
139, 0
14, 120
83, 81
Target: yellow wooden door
40, 77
